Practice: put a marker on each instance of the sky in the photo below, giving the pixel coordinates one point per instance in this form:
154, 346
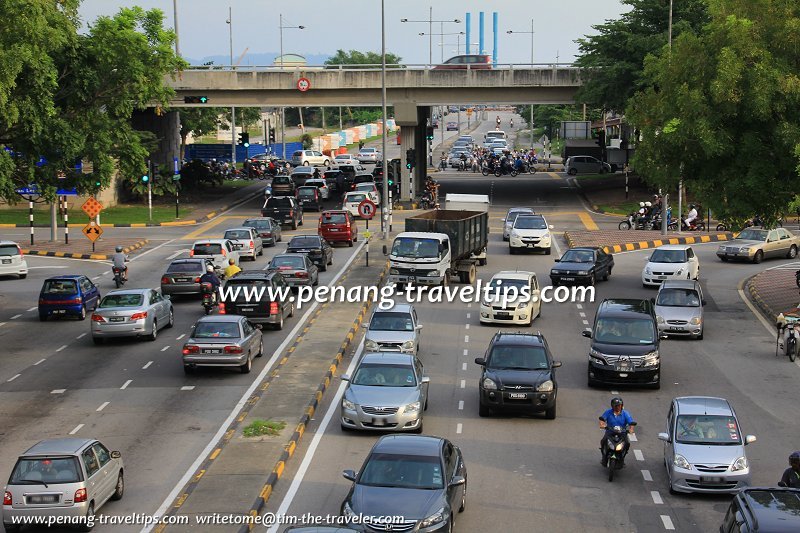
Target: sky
356, 25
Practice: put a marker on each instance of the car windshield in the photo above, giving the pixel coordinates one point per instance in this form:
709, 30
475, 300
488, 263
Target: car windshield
303, 170
525, 222
668, 256
402, 471
708, 430
8, 250
304, 242
512, 216
287, 261
279, 201
187, 266
121, 300
39, 470
258, 224
356, 198
315, 183
208, 249
625, 331
412, 247
391, 322
307, 191
213, 330
373, 375
281, 180
577, 256
503, 285
237, 234
753, 235
367, 150
678, 298
365, 187
336, 218
518, 358
60, 286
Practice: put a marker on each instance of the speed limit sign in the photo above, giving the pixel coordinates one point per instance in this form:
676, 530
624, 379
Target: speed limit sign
303, 84
366, 209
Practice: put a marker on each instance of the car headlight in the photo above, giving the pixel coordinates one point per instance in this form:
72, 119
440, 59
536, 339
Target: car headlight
488, 384
347, 404
435, 518
696, 321
679, 272
523, 305
739, 464
434, 273
594, 354
408, 345
647, 270
554, 272
412, 408
651, 359
583, 272
394, 271
547, 386
681, 462
347, 511
659, 319
514, 234
722, 248
370, 345
745, 249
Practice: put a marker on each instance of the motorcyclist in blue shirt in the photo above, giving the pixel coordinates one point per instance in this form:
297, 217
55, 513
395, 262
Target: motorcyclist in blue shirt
211, 277
616, 416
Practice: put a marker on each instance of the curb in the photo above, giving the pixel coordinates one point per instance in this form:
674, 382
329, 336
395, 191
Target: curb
97, 257
762, 306
643, 245
312, 406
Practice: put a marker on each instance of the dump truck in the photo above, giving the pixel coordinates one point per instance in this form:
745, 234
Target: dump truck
438, 244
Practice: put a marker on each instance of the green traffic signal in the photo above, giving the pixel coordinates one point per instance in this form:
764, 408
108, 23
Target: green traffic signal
145, 178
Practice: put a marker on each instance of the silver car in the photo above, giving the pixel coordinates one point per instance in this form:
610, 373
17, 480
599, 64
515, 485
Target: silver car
218, 251
511, 216
393, 330
388, 391
704, 446
296, 269
369, 155
585, 163
65, 480
246, 241
679, 308
132, 313
223, 340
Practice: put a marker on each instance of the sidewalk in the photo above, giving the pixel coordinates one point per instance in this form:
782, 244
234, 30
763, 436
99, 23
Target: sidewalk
773, 291
615, 241
239, 475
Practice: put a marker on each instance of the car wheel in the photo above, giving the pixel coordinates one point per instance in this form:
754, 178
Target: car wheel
572, 171
724, 259
260, 348
154, 335
171, 318
330, 261
592, 280
547, 250
550, 414
248, 366
42, 317
511, 250
22, 276
188, 369
88, 523
294, 224
758, 257
323, 267
350, 243
291, 310
97, 340
419, 428
483, 411
792, 252
700, 337
657, 385
120, 490
82, 316
463, 499
279, 325
607, 274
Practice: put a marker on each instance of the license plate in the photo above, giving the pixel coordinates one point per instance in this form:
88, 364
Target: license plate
181, 280
246, 309
6, 261
59, 311
567, 279
378, 422
333, 229
43, 498
212, 351
623, 367
411, 279
661, 277
117, 319
502, 315
517, 395
675, 328
704, 479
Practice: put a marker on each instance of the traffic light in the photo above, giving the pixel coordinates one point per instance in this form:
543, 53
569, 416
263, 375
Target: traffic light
145, 178
410, 158
244, 139
195, 99
272, 135
429, 133
601, 139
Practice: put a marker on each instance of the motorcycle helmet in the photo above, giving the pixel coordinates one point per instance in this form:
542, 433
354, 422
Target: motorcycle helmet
641, 204
794, 458
616, 401
119, 249
691, 206
209, 268
648, 204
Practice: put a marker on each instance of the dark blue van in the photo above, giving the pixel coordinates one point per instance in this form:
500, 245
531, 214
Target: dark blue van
70, 295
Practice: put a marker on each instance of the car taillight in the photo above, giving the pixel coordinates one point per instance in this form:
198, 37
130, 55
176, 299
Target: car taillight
80, 496
224, 253
165, 280
285, 268
301, 274
221, 308
233, 349
97, 318
187, 349
138, 316
42, 301
291, 212
252, 245
191, 253
197, 280
273, 308
6, 498
19, 250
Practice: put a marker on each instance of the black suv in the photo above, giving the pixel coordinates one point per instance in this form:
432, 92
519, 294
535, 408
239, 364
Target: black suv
263, 297
518, 373
315, 247
285, 210
763, 510
625, 343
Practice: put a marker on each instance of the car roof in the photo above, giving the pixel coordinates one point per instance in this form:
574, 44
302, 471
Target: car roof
396, 308
674, 247
622, 307
61, 446
531, 215
513, 274
774, 509
66, 276
305, 235
425, 445
303, 170
188, 260
253, 274
7, 242
257, 219
219, 318
239, 228
586, 248
520, 210
219, 241
703, 405
334, 212
680, 284
388, 358
517, 338
128, 291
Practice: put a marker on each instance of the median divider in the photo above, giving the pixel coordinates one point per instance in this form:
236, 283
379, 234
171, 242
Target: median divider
606, 240
96, 257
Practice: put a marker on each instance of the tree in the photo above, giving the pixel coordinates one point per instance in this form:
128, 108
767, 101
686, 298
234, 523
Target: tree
613, 60
68, 96
722, 110
198, 121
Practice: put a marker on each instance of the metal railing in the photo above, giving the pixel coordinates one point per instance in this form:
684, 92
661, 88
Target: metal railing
389, 66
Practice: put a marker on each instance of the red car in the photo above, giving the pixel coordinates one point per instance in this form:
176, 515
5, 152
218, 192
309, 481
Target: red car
338, 226
474, 61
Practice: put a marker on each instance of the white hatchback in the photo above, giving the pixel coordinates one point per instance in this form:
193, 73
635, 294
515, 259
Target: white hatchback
530, 232
12, 262
672, 261
513, 298
351, 201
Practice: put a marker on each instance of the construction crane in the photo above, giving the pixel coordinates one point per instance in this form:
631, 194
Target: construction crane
241, 57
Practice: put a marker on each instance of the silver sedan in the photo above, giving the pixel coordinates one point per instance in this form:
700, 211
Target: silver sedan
132, 313
223, 340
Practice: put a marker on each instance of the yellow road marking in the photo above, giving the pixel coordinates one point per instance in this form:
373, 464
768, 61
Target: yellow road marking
199, 232
554, 175
587, 221
215, 453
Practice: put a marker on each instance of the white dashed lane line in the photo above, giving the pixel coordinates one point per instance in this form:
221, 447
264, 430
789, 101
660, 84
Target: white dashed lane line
12, 378
145, 367
466, 326
466, 338
15, 317
82, 335
102, 406
39, 362
582, 314
165, 348
77, 429
466, 352
464, 366
656, 497
459, 427
33, 309
188, 387
632, 437
580, 306
469, 306
463, 383
646, 475
615, 392
639, 455
460, 405
585, 322
97, 277
58, 391
2, 324
667, 521
125, 385
468, 315
182, 336
61, 348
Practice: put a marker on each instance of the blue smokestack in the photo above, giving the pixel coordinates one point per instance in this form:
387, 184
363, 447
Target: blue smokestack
482, 49
494, 48
469, 24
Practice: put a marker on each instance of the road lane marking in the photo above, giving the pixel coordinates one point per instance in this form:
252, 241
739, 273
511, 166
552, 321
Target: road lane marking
580, 306
176, 254
656, 497
585, 322
97, 277
646, 475
582, 314
615, 392
77, 429
464, 366
463, 383
466, 351
39, 362
469, 306
460, 405
102, 406
58, 391
125, 385
2, 324
587, 221
146, 366
632, 437
468, 315
165, 348
61, 348
81, 336
459, 427
667, 521
466, 338
15, 317
12, 378
639, 455
32, 309
182, 336
466, 326
187, 387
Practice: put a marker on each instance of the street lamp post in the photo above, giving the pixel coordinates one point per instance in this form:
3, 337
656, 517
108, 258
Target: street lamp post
386, 200
430, 34
233, 109
175, 20
680, 184
442, 43
532, 33
281, 27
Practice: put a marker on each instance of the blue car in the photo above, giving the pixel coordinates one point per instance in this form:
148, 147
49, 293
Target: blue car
69, 295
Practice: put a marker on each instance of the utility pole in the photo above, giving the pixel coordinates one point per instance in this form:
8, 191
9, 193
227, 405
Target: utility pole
175, 21
386, 202
680, 185
233, 109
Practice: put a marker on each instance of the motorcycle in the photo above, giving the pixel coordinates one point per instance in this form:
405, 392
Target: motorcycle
119, 278
505, 171
797, 278
615, 449
629, 222
791, 334
209, 301
696, 225
427, 201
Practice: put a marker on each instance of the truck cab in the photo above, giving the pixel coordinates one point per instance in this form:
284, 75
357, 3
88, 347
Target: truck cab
419, 257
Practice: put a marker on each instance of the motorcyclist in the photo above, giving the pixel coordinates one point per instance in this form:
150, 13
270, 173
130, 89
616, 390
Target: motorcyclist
616, 416
211, 277
498, 121
691, 216
231, 270
791, 476
118, 261
511, 123
463, 161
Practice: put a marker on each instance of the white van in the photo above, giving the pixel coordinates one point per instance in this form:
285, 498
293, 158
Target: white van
493, 135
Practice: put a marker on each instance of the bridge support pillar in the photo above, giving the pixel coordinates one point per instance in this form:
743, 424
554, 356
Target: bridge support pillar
167, 129
405, 114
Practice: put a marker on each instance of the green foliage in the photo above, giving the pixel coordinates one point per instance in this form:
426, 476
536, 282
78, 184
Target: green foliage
307, 140
66, 95
371, 59
258, 428
554, 114
731, 87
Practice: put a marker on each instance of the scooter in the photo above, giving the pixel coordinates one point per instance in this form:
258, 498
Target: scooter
791, 334
696, 225
119, 277
209, 301
615, 452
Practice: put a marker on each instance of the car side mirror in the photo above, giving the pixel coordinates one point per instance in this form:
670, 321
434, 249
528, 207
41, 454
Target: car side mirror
664, 437
551, 227
349, 474
345, 377
419, 327
558, 260
385, 250
749, 439
587, 333
365, 325
480, 361
115, 454
663, 337
258, 326
456, 481
702, 302
556, 364
425, 379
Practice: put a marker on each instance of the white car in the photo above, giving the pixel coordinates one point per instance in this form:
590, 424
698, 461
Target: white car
309, 157
371, 190
506, 306
351, 201
369, 155
673, 261
345, 159
12, 262
530, 232
320, 184
219, 251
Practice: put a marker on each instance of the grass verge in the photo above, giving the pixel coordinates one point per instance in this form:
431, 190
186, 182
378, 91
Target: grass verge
258, 428
120, 214
620, 208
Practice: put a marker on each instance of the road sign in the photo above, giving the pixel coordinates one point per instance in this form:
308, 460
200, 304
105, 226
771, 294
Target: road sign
366, 209
92, 231
67, 192
92, 207
303, 84
29, 190
469, 111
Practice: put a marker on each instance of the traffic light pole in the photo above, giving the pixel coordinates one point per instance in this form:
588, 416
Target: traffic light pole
150, 190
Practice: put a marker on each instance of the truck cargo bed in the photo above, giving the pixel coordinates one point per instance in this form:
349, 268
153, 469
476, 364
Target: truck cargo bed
468, 230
